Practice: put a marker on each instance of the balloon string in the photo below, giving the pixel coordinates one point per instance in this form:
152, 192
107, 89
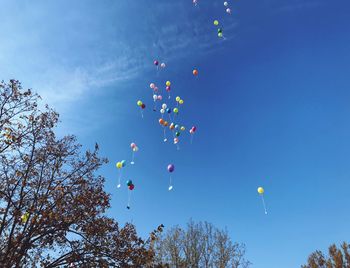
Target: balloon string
191, 138
132, 158
141, 113
263, 200
170, 184
119, 178
165, 139
129, 197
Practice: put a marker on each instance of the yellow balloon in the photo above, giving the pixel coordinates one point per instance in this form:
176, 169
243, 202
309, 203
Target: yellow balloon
119, 165
182, 128
139, 103
181, 101
261, 190
178, 99
216, 22
168, 83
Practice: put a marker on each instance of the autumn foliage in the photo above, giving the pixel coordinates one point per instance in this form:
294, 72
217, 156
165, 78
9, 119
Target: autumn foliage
337, 258
52, 203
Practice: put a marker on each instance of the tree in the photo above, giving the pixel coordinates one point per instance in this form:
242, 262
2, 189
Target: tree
52, 203
337, 258
199, 245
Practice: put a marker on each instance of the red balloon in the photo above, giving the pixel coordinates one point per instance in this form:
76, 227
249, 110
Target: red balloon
161, 121
194, 129
143, 106
131, 187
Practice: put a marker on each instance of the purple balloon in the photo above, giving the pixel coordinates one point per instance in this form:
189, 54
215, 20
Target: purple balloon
171, 167
156, 63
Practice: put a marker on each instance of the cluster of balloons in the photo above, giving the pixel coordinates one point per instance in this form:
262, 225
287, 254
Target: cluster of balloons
156, 63
228, 10
121, 164
220, 34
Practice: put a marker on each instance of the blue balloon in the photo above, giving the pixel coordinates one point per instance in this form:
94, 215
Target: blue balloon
168, 110
129, 182
123, 163
177, 126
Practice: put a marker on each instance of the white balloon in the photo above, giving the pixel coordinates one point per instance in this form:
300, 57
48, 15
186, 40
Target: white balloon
228, 11
164, 106
162, 65
155, 97
225, 4
162, 111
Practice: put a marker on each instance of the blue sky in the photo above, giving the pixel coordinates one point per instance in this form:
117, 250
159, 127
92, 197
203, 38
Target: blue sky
271, 104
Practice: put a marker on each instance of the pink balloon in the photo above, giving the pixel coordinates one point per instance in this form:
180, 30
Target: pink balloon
159, 97
133, 145
167, 88
152, 85
155, 89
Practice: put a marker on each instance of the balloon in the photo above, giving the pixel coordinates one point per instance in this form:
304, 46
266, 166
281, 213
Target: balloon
228, 11
168, 110
216, 22
182, 128
161, 121
176, 110
135, 149
119, 165
191, 131
177, 126
133, 145
156, 63
195, 72
181, 101
155, 97
171, 168
177, 98
166, 123
167, 83
152, 85
261, 190
143, 106
129, 182
177, 134
162, 65
172, 126
194, 128
155, 89
131, 187
159, 97
162, 111
219, 30
176, 140
167, 88
220, 35
139, 103
164, 106
195, 2
225, 4
123, 163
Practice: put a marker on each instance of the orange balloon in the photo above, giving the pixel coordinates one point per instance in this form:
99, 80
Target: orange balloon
166, 123
195, 72
161, 121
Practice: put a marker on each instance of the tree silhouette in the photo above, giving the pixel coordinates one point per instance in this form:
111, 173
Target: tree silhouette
52, 203
199, 245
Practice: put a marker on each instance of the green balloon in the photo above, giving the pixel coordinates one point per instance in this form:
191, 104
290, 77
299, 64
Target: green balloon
177, 134
219, 30
220, 34
129, 182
